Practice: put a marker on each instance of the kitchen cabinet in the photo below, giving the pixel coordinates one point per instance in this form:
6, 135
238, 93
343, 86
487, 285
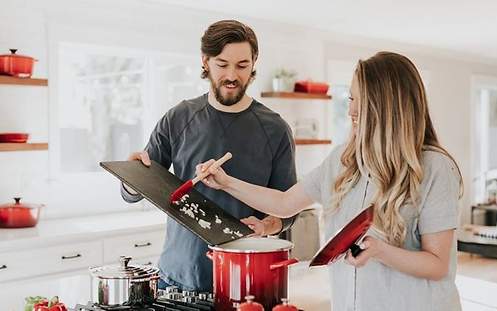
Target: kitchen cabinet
53, 258
7, 80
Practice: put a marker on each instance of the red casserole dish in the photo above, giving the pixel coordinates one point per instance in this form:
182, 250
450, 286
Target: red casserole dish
345, 239
311, 87
19, 215
20, 66
14, 137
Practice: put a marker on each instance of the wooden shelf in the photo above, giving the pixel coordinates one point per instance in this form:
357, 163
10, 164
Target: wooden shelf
23, 81
312, 141
23, 147
295, 95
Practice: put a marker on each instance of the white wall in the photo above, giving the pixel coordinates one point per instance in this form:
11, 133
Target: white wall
36, 28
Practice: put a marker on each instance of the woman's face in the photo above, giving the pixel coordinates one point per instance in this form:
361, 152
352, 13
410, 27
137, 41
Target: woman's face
354, 103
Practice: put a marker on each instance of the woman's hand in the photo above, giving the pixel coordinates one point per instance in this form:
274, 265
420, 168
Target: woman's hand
218, 179
371, 248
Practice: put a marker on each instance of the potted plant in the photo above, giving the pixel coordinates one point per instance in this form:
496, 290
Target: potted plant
283, 80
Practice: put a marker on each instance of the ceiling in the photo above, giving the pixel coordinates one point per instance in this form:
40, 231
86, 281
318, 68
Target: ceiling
468, 27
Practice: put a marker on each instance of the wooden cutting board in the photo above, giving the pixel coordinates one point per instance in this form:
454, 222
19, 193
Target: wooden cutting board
195, 212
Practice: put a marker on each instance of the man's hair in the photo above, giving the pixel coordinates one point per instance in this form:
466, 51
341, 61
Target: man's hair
224, 32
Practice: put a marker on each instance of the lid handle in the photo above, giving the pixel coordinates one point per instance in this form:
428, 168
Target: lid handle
124, 260
13, 51
18, 200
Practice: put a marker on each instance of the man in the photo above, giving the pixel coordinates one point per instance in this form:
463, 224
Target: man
206, 127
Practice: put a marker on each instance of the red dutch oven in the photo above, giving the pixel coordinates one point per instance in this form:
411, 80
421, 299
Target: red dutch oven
20, 66
250, 266
285, 306
19, 215
250, 305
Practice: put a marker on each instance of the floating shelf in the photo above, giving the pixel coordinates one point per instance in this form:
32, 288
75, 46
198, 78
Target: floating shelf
23, 81
312, 141
23, 147
295, 95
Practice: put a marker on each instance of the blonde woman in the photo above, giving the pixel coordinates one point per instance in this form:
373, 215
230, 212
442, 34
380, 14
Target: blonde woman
394, 161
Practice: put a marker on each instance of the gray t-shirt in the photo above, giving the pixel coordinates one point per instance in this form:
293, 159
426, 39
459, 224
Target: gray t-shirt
376, 286
193, 132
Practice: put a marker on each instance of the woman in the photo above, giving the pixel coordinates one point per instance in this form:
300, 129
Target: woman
394, 161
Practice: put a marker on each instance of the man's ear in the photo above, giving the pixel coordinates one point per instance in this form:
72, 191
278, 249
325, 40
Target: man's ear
204, 62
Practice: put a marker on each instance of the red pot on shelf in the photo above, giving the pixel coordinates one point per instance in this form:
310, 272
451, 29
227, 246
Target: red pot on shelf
16, 65
14, 137
19, 215
250, 267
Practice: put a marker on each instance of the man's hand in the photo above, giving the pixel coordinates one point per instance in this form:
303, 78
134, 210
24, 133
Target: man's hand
142, 156
267, 226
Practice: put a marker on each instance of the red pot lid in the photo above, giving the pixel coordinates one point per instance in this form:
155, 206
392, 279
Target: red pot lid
344, 239
13, 54
250, 305
19, 204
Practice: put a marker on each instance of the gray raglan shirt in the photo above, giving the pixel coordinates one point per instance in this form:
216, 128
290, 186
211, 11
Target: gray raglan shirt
193, 132
376, 287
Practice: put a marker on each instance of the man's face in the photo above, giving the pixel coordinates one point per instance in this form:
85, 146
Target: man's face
229, 72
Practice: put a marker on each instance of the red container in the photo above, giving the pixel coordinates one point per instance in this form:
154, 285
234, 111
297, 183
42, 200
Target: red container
250, 305
311, 87
19, 215
250, 266
285, 306
14, 137
20, 66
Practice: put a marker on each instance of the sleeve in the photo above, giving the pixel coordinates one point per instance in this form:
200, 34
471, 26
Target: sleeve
283, 173
159, 150
317, 181
439, 211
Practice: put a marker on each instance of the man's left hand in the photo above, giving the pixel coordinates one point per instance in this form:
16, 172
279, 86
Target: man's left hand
267, 226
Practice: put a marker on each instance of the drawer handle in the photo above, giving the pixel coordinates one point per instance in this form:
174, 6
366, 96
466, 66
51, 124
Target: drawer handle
3, 267
143, 245
71, 257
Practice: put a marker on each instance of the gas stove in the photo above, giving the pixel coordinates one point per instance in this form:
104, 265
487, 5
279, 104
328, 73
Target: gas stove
169, 300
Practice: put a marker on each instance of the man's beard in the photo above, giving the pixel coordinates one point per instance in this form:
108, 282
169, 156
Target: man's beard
228, 100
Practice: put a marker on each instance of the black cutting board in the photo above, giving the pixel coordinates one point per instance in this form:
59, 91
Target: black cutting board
195, 212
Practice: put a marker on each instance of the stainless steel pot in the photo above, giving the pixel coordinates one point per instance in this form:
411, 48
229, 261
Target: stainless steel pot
124, 284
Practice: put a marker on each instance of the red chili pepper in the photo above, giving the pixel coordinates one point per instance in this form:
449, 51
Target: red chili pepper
41, 306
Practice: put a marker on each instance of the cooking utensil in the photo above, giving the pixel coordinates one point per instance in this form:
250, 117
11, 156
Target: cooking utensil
19, 215
250, 305
123, 284
285, 306
187, 186
16, 65
345, 239
250, 266
195, 212
14, 137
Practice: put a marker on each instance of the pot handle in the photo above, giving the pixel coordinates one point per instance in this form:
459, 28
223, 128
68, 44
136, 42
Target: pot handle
284, 263
209, 255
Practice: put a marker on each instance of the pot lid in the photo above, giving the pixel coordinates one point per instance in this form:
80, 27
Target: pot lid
13, 54
254, 245
19, 204
123, 270
344, 239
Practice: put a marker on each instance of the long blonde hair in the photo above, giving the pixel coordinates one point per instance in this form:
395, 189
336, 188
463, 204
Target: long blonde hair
394, 129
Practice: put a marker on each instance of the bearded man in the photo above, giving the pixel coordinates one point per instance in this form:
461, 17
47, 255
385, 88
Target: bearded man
206, 127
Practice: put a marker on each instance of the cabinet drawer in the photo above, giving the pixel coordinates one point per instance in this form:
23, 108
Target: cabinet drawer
140, 245
40, 261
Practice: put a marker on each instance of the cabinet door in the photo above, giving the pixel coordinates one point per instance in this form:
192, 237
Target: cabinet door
48, 260
138, 245
72, 288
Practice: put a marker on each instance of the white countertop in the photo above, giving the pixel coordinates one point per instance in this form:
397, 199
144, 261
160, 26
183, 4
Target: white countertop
52, 232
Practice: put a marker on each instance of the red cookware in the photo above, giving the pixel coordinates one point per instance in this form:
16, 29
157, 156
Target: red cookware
250, 266
19, 215
14, 137
250, 305
345, 239
285, 306
311, 87
16, 65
